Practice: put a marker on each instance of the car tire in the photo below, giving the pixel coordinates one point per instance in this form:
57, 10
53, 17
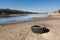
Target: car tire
39, 29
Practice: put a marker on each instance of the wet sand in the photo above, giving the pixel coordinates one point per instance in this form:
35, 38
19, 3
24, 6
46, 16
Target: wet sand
22, 31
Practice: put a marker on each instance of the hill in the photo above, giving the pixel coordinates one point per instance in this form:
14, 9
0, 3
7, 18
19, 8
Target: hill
10, 12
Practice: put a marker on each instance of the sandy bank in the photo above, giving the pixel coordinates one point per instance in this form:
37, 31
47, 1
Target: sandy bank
22, 31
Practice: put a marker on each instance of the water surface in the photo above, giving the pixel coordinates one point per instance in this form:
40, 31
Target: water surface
20, 18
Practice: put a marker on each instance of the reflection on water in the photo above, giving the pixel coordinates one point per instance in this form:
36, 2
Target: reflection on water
20, 18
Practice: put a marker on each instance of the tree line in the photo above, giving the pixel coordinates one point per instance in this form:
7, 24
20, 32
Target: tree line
10, 11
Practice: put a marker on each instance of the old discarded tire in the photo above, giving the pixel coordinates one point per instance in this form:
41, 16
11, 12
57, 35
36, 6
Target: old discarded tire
39, 29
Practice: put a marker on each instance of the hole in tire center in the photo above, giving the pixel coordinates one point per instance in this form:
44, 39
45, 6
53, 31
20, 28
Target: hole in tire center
36, 26
39, 29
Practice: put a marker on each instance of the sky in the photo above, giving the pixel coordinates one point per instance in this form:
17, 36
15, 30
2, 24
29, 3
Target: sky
31, 5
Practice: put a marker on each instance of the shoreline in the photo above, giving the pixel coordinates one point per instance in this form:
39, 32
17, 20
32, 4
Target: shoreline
35, 19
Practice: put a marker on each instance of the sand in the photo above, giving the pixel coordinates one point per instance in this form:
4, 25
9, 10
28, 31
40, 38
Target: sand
22, 31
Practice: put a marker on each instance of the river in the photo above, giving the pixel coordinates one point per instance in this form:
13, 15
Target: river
20, 18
